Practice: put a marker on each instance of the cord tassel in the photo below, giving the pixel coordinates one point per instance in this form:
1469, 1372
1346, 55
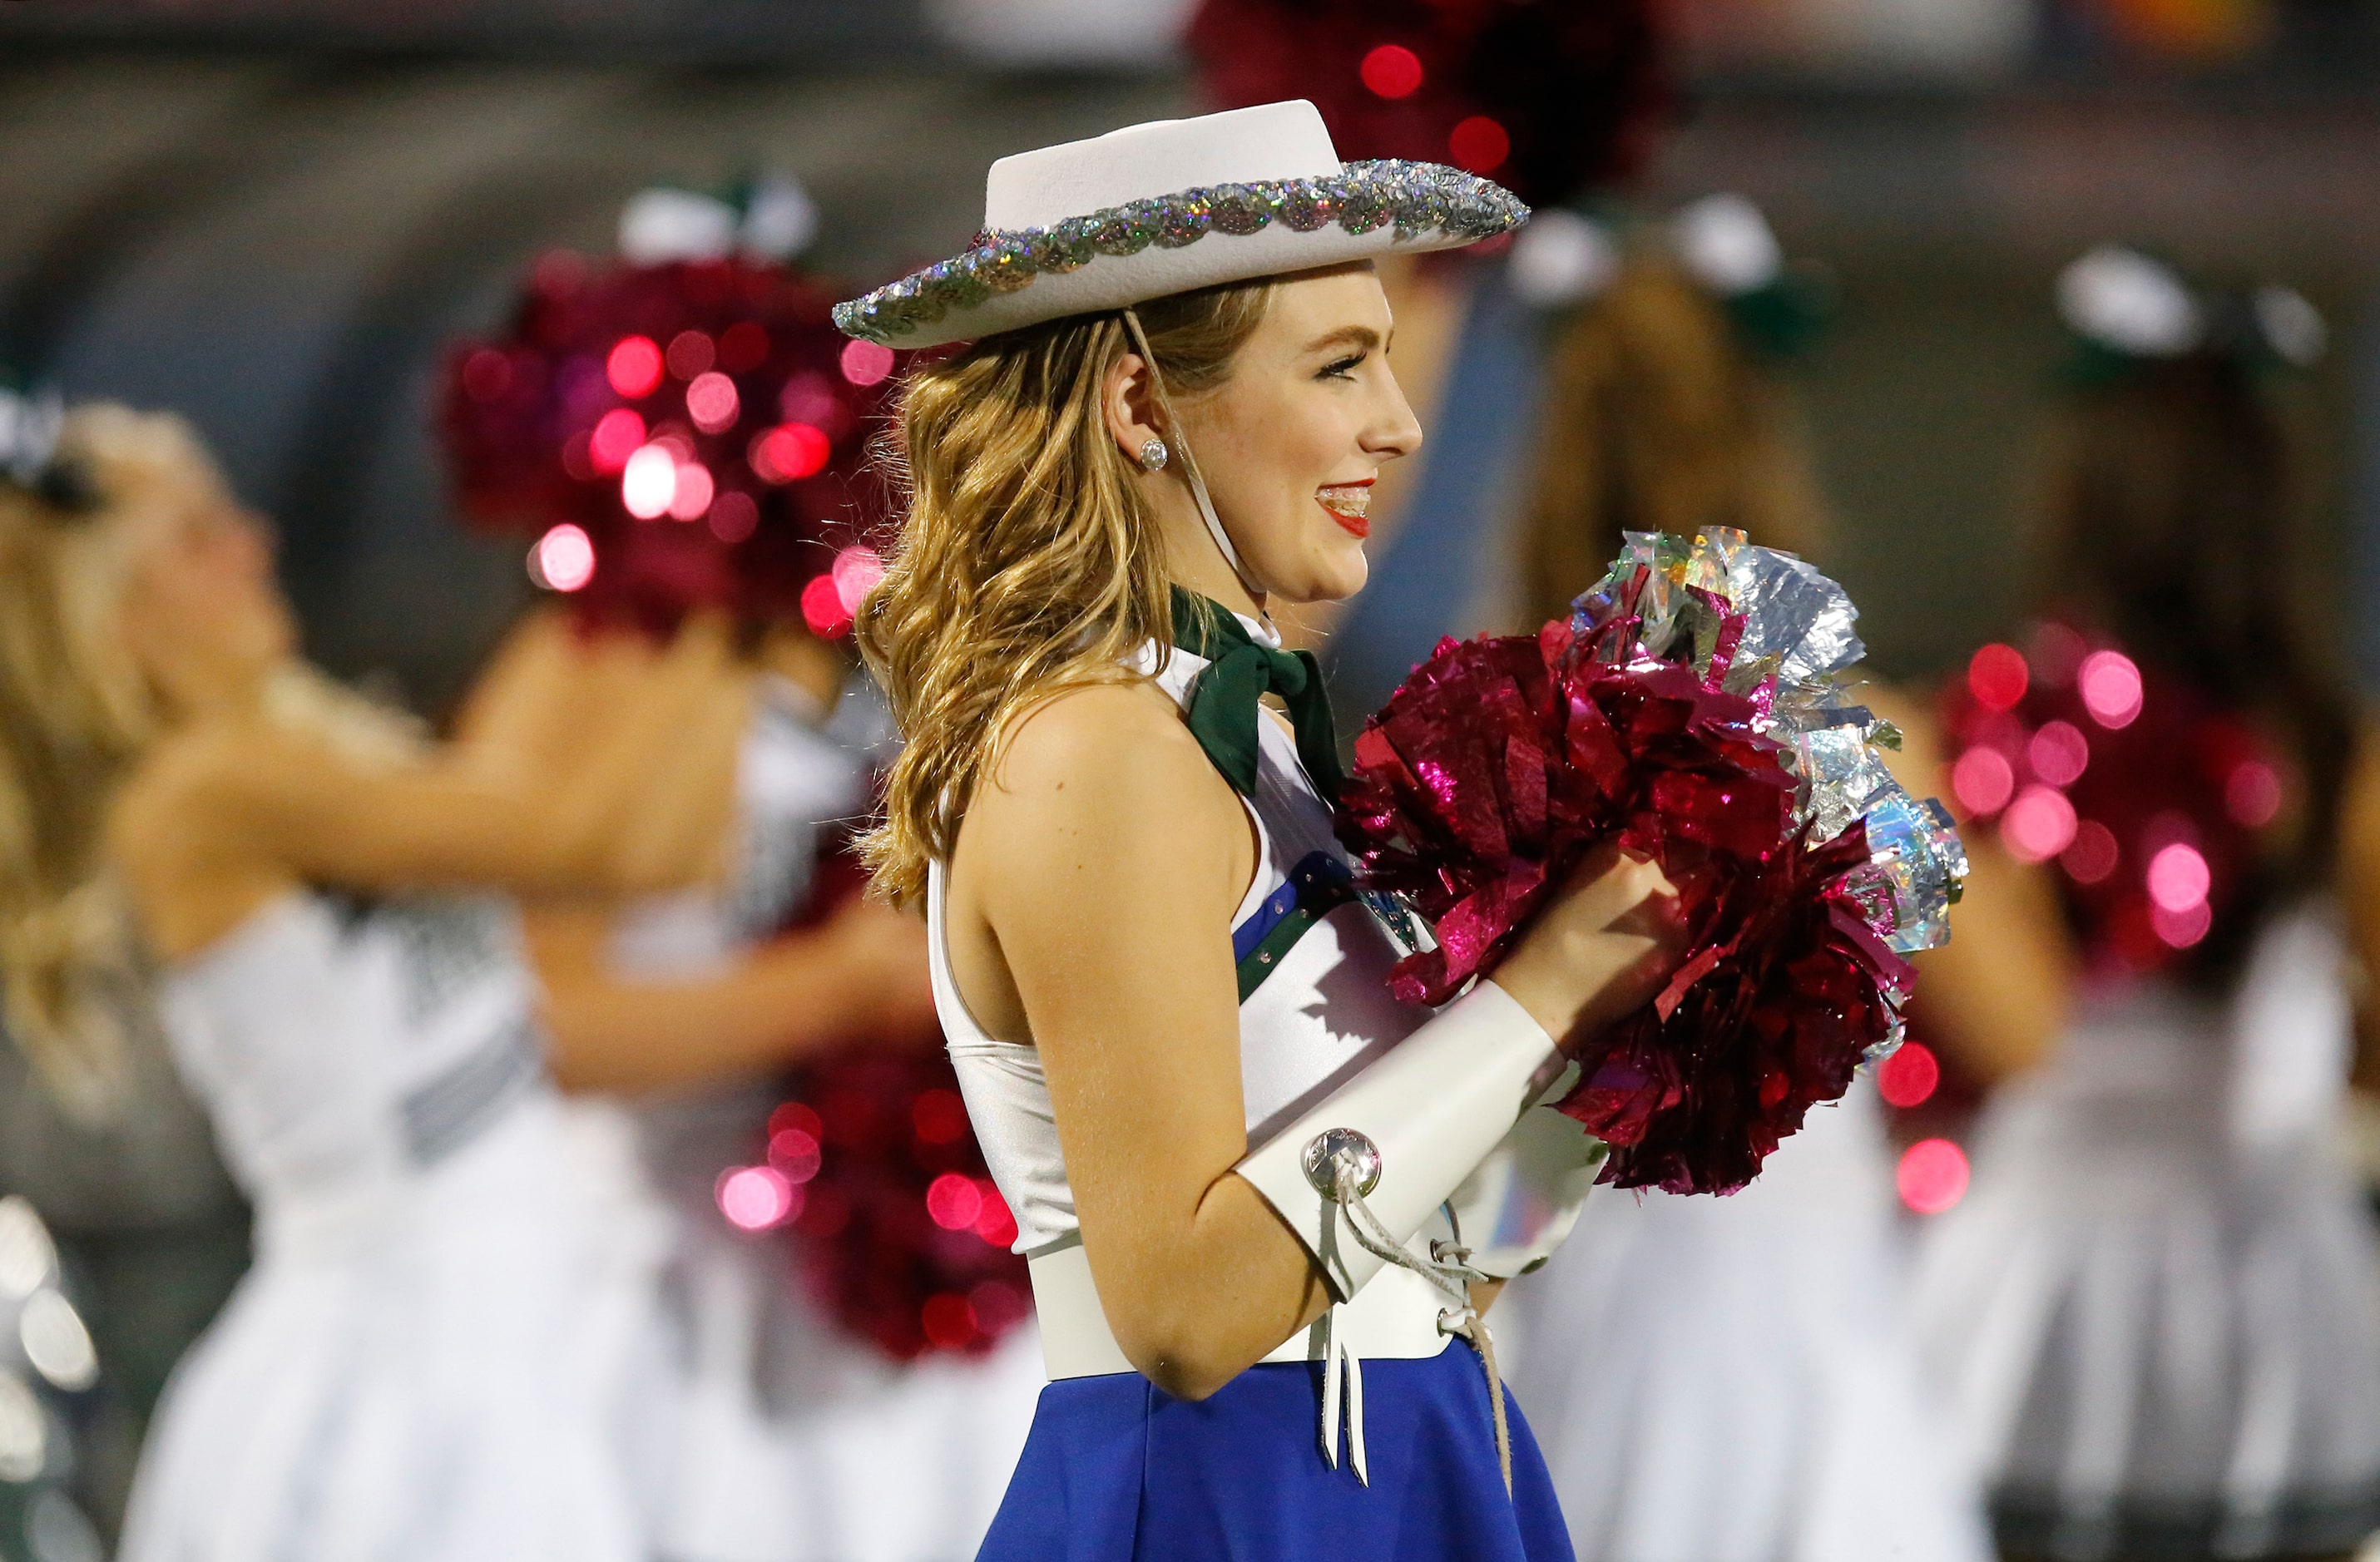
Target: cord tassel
1448, 1267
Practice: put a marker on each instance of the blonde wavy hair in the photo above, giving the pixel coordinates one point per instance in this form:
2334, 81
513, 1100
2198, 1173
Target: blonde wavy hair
1658, 418
77, 715
1028, 562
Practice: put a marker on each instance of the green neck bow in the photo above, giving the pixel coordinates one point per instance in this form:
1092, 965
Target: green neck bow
1224, 701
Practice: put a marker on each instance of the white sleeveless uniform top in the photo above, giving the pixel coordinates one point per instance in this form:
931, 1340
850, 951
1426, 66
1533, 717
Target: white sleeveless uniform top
420, 1361
1321, 1013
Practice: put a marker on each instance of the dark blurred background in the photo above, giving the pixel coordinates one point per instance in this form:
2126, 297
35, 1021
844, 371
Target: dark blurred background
269, 212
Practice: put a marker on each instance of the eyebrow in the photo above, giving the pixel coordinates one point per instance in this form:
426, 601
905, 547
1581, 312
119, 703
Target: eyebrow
1361, 336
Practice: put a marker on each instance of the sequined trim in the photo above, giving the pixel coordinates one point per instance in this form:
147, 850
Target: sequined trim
1413, 197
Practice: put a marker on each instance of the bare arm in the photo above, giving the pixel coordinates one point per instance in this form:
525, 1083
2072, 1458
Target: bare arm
861, 974
1102, 866
1997, 994
226, 817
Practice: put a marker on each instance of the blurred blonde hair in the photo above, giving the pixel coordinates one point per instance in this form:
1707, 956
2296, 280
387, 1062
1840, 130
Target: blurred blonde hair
77, 714
1028, 562
1657, 419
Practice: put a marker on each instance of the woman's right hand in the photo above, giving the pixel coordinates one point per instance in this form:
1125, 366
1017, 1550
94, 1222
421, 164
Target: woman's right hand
1604, 949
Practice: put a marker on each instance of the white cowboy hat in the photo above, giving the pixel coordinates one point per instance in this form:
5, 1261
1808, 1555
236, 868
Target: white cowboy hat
1162, 208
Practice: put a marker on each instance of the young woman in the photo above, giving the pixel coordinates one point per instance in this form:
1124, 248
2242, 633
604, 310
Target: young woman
1226, 1147
422, 1360
1755, 1345
2155, 1302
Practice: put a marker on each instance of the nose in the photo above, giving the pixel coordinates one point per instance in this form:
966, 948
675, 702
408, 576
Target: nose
1393, 429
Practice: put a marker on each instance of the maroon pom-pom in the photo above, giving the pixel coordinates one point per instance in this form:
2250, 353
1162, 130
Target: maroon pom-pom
734, 372
896, 1227
1503, 762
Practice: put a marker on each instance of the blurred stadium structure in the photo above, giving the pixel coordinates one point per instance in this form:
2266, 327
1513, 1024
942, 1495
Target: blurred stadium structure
268, 213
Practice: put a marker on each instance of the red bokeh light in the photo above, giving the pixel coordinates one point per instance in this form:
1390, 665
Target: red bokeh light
2251, 793
2058, 752
2111, 688
743, 347
947, 1321
1479, 144
1982, 780
690, 353
1909, 1076
711, 402
487, 374
2181, 929
754, 1198
939, 1117
823, 608
1997, 677
617, 436
798, 1115
1393, 71
995, 1224
866, 363
690, 498
1932, 1176
2178, 878
796, 1154
2092, 855
563, 559
733, 517
790, 452
634, 367
2038, 825
953, 1201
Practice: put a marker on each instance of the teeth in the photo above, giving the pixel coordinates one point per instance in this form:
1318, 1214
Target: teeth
1349, 501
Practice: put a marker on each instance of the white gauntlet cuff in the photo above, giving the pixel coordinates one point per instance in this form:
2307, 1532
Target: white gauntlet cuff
1405, 1133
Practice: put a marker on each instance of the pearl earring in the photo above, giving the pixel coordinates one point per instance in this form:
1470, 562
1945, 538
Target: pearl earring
1152, 455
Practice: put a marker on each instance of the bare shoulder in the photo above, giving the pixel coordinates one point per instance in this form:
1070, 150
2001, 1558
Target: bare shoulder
196, 790
1107, 771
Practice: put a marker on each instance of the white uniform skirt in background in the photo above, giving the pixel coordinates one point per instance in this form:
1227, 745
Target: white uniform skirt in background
787, 1438
454, 1377
1733, 1379
2159, 1304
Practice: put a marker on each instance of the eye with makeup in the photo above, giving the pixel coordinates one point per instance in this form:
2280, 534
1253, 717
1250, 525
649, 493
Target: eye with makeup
1342, 369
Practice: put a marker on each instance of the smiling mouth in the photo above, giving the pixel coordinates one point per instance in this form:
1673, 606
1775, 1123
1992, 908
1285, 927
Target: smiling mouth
1347, 504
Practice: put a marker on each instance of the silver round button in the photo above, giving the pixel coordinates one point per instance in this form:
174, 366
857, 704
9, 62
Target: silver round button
1332, 1146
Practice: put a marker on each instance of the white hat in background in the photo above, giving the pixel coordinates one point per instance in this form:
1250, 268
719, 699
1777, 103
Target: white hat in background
1166, 207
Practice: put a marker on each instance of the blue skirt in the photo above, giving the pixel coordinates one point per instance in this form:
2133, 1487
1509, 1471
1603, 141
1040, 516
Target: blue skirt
1116, 1469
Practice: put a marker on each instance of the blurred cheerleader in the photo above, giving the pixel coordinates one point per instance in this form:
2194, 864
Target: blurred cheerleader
2157, 1301
787, 1436
417, 1364
1742, 1388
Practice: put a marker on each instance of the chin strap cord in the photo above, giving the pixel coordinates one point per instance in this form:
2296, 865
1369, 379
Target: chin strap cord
1447, 1268
1180, 443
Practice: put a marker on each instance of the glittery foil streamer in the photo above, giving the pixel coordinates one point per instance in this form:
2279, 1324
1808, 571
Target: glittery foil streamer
1690, 709
1416, 198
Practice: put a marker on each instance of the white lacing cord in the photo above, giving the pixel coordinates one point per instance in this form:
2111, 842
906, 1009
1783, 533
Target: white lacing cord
1180, 443
1448, 1267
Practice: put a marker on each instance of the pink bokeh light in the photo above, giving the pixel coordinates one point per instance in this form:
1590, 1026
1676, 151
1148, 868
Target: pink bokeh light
754, 1198
1909, 1076
1932, 1176
1982, 780
2111, 683
2038, 825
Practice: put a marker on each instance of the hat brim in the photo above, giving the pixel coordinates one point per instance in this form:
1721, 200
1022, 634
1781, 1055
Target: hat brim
1176, 243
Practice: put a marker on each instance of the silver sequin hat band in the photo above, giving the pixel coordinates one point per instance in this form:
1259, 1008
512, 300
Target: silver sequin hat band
1199, 236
